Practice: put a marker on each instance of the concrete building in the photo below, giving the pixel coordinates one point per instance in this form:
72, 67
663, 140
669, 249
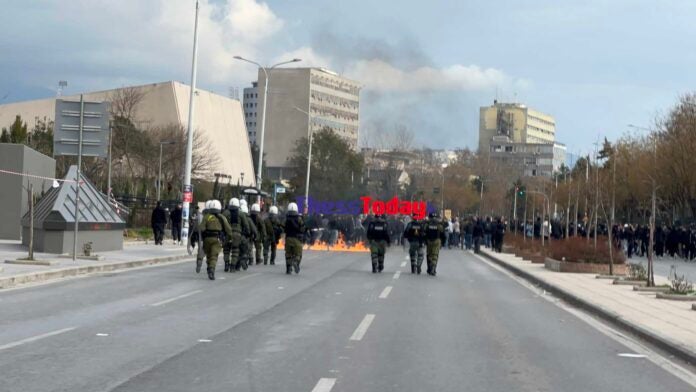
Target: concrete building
531, 159
517, 122
331, 100
218, 117
14, 198
250, 103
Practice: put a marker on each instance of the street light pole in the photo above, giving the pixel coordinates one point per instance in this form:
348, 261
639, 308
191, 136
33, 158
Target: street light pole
442, 191
263, 113
189, 142
310, 138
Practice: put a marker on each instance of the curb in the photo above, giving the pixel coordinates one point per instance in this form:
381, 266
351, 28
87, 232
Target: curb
662, 342
43, 276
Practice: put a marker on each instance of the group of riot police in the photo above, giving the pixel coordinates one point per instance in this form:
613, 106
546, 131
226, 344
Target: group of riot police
246, 237
425, 236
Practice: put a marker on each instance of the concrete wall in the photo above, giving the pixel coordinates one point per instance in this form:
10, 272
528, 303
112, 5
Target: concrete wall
60, 242
13, 197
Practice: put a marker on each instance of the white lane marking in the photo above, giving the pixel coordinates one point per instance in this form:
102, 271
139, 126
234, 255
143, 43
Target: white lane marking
280, 287
248, 276
204, 340
338, 293
403, 264
362, 328
385, 292
406, 257
324, 385
631, 355
634, 345
35, 338
397, 274
166, 301
102, 334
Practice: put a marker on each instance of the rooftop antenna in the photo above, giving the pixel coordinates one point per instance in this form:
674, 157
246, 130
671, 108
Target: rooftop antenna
61, 86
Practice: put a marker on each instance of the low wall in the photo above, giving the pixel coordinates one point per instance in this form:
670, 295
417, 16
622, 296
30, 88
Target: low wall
583, 268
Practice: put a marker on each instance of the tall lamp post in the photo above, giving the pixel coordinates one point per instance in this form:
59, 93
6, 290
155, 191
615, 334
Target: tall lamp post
263, 114
159, 175
442, 194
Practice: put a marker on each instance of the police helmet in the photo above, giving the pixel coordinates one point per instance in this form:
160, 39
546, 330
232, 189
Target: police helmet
273, 210
292, 207
434, 215
214, 205
255, 207
243, 202
234, 202
244, 208
207, 205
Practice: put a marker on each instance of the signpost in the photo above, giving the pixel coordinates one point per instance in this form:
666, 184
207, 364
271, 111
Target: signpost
277, 188
80, 129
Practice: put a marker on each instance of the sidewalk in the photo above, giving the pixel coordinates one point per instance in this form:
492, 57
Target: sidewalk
132, 255
670, 325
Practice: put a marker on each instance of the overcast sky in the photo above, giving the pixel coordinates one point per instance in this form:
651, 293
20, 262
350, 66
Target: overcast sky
596, 65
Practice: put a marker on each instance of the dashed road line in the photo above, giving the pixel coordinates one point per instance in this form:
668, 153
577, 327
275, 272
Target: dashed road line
35, 338
166, 301
362, 327
247, 276
385, 292
397, 274
403, 264
324, 385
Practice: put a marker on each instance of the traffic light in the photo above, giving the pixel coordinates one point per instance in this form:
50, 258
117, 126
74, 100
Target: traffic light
520, 192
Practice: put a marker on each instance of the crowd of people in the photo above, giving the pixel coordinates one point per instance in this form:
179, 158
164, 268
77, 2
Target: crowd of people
676, 241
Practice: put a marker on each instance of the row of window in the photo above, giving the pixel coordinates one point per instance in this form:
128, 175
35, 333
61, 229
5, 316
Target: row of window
250, 104
328, 111
249, 114
251, 124
334, 100
537, 119
250, 95
335, 85
544, 131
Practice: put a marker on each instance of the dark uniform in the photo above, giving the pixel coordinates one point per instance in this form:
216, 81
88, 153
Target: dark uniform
260, 238
378, 235
435, 237
215, 230
247, 239
294, 233
273, 232
415, 234
233, 245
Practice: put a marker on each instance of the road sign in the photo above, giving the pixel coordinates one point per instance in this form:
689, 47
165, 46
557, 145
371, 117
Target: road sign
280, 189
188, 197
95, 129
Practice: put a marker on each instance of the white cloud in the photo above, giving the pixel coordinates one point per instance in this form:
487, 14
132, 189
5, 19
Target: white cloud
252, 21
381, 76
309, 58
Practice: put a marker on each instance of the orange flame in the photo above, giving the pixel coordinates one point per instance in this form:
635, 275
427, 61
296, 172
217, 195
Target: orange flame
340, 246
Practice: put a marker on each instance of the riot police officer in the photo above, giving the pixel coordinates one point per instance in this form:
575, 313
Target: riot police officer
378, 235
260, 231
415, 234
247, 237
231, 248
273, 232
435, 237
294, 233
215, 230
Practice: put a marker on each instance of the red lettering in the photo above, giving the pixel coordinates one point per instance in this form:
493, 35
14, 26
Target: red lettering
393, 206
366, 204
378, 207
405, 208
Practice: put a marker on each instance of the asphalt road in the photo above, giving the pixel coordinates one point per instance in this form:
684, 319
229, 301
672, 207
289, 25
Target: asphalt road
334, 327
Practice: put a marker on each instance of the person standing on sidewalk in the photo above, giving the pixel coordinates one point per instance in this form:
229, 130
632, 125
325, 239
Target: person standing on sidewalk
158, 222
175, 217
477, 235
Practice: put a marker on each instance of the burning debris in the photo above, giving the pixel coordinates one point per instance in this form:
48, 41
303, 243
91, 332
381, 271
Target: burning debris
339, 246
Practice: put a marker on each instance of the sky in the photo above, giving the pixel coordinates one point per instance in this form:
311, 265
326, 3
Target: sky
594, 65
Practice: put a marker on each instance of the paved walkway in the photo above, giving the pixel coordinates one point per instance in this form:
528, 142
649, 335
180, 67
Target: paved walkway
132, 255
672, 321
664, 264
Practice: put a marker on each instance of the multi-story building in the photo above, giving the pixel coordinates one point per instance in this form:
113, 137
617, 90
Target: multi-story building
250, 106
517, 122
530, 159
329, 99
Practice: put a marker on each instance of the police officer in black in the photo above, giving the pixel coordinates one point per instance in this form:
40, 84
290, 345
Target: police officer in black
378, 236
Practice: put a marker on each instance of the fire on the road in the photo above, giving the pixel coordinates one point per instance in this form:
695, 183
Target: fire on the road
340, 246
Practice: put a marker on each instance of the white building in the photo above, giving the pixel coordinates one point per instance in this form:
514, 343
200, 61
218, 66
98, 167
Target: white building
218, 117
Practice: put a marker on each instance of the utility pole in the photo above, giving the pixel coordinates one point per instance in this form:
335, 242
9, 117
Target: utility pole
77, 176
188, 189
